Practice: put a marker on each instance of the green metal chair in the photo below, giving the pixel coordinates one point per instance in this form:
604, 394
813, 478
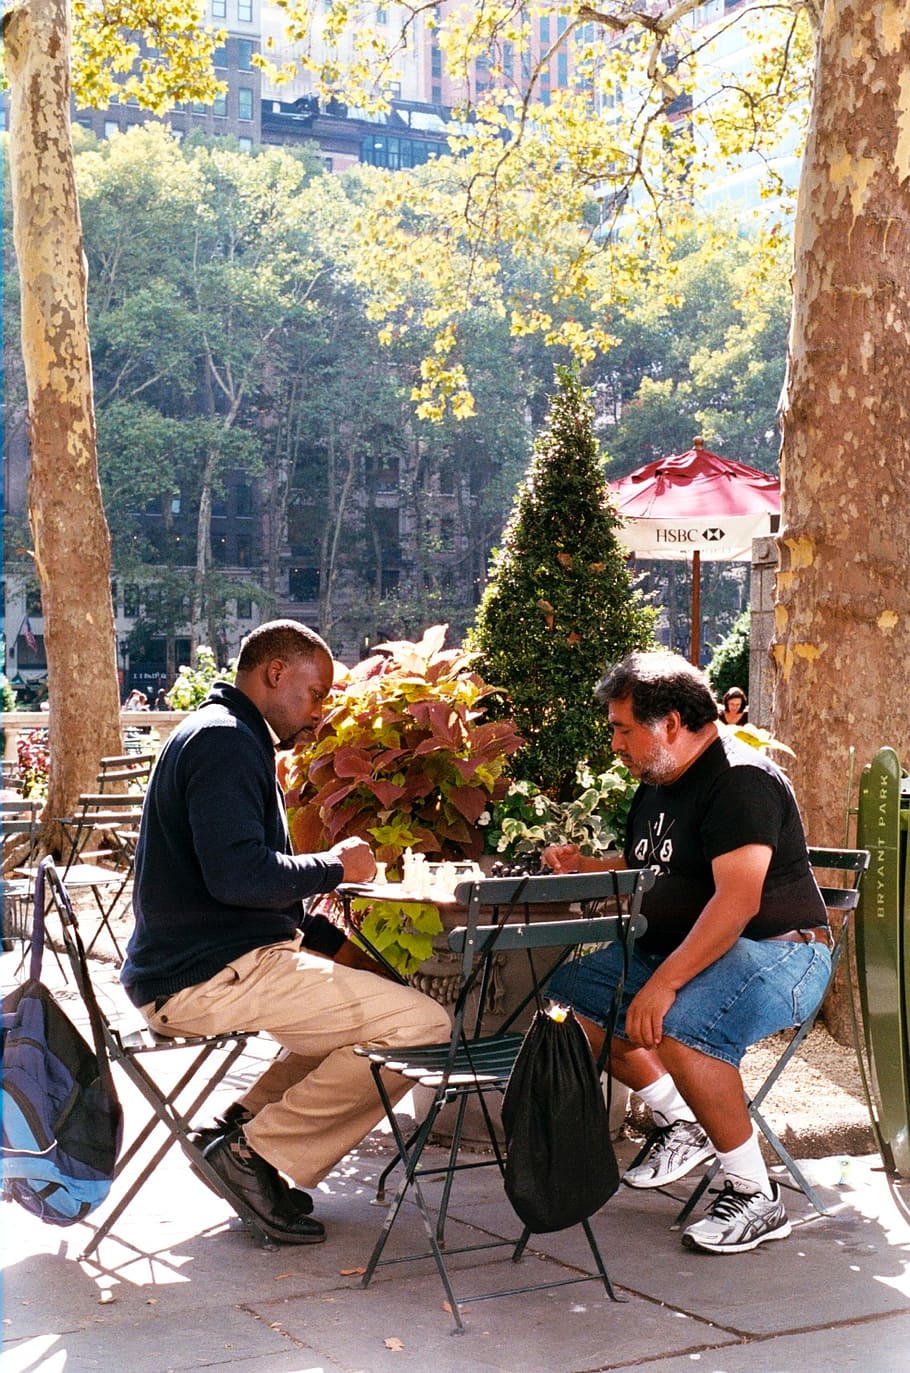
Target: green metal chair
852, 864
474, 1065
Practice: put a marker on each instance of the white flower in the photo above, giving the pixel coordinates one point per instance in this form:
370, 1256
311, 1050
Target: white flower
484, 818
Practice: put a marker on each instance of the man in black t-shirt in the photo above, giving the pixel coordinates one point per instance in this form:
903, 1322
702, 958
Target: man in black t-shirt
737, 945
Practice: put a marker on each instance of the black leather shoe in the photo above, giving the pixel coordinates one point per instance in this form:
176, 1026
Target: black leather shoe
234, 1115
291, 1199
249, 1178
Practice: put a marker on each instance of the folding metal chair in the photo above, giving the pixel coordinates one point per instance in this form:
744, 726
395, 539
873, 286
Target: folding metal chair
106, 871
19, 822
130, 771
211, 1058
474, 1065
852, 863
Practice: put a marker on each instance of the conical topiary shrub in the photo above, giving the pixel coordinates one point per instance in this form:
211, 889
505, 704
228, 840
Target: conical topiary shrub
560, 604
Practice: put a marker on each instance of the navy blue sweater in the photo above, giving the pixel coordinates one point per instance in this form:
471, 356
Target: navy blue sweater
214, 876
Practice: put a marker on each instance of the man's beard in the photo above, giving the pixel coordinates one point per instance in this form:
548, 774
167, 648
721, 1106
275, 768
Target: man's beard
660, 767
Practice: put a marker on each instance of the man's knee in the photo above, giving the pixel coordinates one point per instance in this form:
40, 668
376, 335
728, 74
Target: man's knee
435, 1019
421, 1019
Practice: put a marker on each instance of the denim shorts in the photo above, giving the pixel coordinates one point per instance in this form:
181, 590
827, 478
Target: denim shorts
755, 989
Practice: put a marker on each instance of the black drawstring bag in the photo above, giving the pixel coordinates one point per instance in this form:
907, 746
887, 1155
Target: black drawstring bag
561, 1165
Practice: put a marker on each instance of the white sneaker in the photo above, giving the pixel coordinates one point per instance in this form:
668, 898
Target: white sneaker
737, 1221
675, 1150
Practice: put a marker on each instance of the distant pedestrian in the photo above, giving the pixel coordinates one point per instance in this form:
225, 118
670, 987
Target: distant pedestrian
735, 708
161, 701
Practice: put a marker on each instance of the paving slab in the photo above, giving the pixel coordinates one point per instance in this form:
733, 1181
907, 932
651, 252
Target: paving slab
876, 1346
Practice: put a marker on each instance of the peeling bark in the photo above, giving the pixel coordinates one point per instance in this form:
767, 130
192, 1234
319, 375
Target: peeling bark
842, 616
71, 540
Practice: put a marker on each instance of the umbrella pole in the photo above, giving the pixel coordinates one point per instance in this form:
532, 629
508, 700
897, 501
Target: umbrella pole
696, 607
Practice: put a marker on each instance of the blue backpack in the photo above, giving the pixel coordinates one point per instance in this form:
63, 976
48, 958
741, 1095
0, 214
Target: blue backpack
62, 1122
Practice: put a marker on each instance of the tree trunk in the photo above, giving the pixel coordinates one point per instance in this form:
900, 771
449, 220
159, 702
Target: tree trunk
199, 606
842, 617
342, 454
71, 540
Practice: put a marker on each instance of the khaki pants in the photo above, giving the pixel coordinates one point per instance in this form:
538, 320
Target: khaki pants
318, 1100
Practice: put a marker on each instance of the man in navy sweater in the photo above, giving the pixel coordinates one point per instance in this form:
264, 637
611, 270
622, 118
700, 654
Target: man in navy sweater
221, 941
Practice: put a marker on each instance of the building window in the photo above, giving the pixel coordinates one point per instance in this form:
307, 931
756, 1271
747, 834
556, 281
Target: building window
111, 127
387, 475
245, 11
545, 32
382, 150
219, 105
245, 102
246, 145
220, 57
245, 54
244, 608
26, 655
219, 9
303, 583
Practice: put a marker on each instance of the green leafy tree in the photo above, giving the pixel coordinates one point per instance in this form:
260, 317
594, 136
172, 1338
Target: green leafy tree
560, 604
730, 665
70, 539
706, 359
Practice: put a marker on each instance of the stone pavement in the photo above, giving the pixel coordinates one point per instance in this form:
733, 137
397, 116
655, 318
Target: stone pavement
181, 1286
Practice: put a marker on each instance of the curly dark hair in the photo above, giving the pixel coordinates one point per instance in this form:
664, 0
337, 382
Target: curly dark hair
288, 639
657, 683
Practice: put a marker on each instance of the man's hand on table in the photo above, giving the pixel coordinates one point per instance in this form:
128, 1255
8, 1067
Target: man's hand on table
567, 858
561, 857
356, 857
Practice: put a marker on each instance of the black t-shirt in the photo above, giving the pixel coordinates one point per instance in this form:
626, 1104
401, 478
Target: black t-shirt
732, 795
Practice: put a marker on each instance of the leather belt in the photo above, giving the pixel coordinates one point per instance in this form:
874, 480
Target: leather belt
818, 934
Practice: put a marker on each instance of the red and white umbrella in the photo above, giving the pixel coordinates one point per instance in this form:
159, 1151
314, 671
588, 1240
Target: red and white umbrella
696, 505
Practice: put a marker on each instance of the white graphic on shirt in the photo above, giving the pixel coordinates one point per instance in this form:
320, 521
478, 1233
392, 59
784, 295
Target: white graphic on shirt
656, 849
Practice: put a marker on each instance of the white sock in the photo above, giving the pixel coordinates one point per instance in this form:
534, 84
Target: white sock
745, 1165
665, 1102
